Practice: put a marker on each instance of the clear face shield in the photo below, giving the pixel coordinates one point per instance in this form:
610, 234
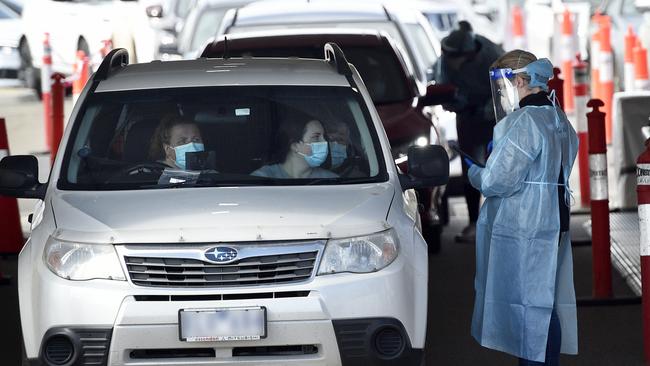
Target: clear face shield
504, 92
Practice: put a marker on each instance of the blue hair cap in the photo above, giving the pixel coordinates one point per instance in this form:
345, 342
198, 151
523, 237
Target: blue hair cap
540, 72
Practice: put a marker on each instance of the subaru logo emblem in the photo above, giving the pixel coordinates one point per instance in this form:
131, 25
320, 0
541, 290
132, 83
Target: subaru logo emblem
221, 254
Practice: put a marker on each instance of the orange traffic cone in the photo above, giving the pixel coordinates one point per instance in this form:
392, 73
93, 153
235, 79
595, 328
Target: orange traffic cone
11, 240
594, 57
518, 34
641, 77
568, 54
80, 75
630, 42
606, 64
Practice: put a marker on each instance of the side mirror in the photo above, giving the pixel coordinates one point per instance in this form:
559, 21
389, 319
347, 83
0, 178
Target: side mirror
438, 94
19, 177
428, 166
154, 11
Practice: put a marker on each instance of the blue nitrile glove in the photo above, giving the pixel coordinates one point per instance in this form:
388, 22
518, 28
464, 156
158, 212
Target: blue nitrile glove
469, 162
490, 146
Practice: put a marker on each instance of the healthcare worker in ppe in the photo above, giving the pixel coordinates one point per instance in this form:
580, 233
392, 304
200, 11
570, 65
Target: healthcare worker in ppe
525, 298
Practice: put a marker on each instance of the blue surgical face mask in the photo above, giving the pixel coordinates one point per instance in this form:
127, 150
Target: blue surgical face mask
181, 150
318, 154
339, 154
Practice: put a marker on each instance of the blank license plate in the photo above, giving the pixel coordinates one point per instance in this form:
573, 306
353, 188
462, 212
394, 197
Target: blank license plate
223, 324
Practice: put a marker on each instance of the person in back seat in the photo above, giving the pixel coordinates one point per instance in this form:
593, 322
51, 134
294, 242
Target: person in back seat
300, 149
345, 159
173, 138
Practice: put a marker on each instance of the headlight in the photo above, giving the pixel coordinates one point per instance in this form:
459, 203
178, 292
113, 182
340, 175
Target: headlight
361, 254
74, 261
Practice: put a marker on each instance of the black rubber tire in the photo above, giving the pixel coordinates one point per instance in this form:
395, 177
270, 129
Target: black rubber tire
433, 236
30, 75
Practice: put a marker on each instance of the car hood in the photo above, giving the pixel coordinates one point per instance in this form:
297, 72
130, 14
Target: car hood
199, 215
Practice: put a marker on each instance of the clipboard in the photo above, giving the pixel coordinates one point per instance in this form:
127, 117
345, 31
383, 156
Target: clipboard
457, 149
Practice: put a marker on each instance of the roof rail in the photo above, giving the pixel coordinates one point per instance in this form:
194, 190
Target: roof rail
115, 60
335, 57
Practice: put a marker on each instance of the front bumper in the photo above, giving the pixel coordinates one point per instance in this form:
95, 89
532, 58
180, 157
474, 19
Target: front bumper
308, 323
371, 341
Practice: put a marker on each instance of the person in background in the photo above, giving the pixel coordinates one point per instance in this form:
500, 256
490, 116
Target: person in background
465, 63
173, 138
525, 297
300, 150
344, 159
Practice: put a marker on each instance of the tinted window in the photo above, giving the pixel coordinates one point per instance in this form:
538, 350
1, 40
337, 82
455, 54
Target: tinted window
381, 71
119, 140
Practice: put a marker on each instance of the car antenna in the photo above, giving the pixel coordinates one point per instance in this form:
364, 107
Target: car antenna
226, 54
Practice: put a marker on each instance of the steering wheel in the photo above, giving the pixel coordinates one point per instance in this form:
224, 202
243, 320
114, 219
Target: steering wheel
143, 168
148, 168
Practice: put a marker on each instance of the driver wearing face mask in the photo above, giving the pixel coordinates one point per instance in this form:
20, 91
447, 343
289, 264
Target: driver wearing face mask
173, 139
301, 149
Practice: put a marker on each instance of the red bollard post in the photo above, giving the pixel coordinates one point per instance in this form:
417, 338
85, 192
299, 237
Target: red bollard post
11, 240
600, 239
557, 84
643, 194
46, 89
58, 93
581, 94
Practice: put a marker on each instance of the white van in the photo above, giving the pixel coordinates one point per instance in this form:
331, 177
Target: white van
146, 251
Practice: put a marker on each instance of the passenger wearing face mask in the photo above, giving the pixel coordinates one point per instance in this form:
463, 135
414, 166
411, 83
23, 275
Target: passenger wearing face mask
344, 158
525, 299
301, 149
173, 139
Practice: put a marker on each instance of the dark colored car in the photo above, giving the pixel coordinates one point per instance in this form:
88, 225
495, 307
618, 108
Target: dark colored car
390, 83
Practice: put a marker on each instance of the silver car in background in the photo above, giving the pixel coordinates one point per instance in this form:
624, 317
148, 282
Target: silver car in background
406, 25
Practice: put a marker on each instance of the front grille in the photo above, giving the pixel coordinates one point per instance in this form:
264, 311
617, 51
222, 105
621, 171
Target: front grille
275, 351
225, 297
144, 354
180, 272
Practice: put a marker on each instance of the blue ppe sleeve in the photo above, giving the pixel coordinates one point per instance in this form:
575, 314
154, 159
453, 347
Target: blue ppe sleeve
511, 159
469, 162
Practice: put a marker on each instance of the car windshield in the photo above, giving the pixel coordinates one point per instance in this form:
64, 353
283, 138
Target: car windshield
424, 48
222, 136
384, 76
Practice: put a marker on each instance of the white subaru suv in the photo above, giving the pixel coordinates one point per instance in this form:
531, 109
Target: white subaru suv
179, 225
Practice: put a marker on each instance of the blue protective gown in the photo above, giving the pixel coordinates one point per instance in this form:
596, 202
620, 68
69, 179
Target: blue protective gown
521, 271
